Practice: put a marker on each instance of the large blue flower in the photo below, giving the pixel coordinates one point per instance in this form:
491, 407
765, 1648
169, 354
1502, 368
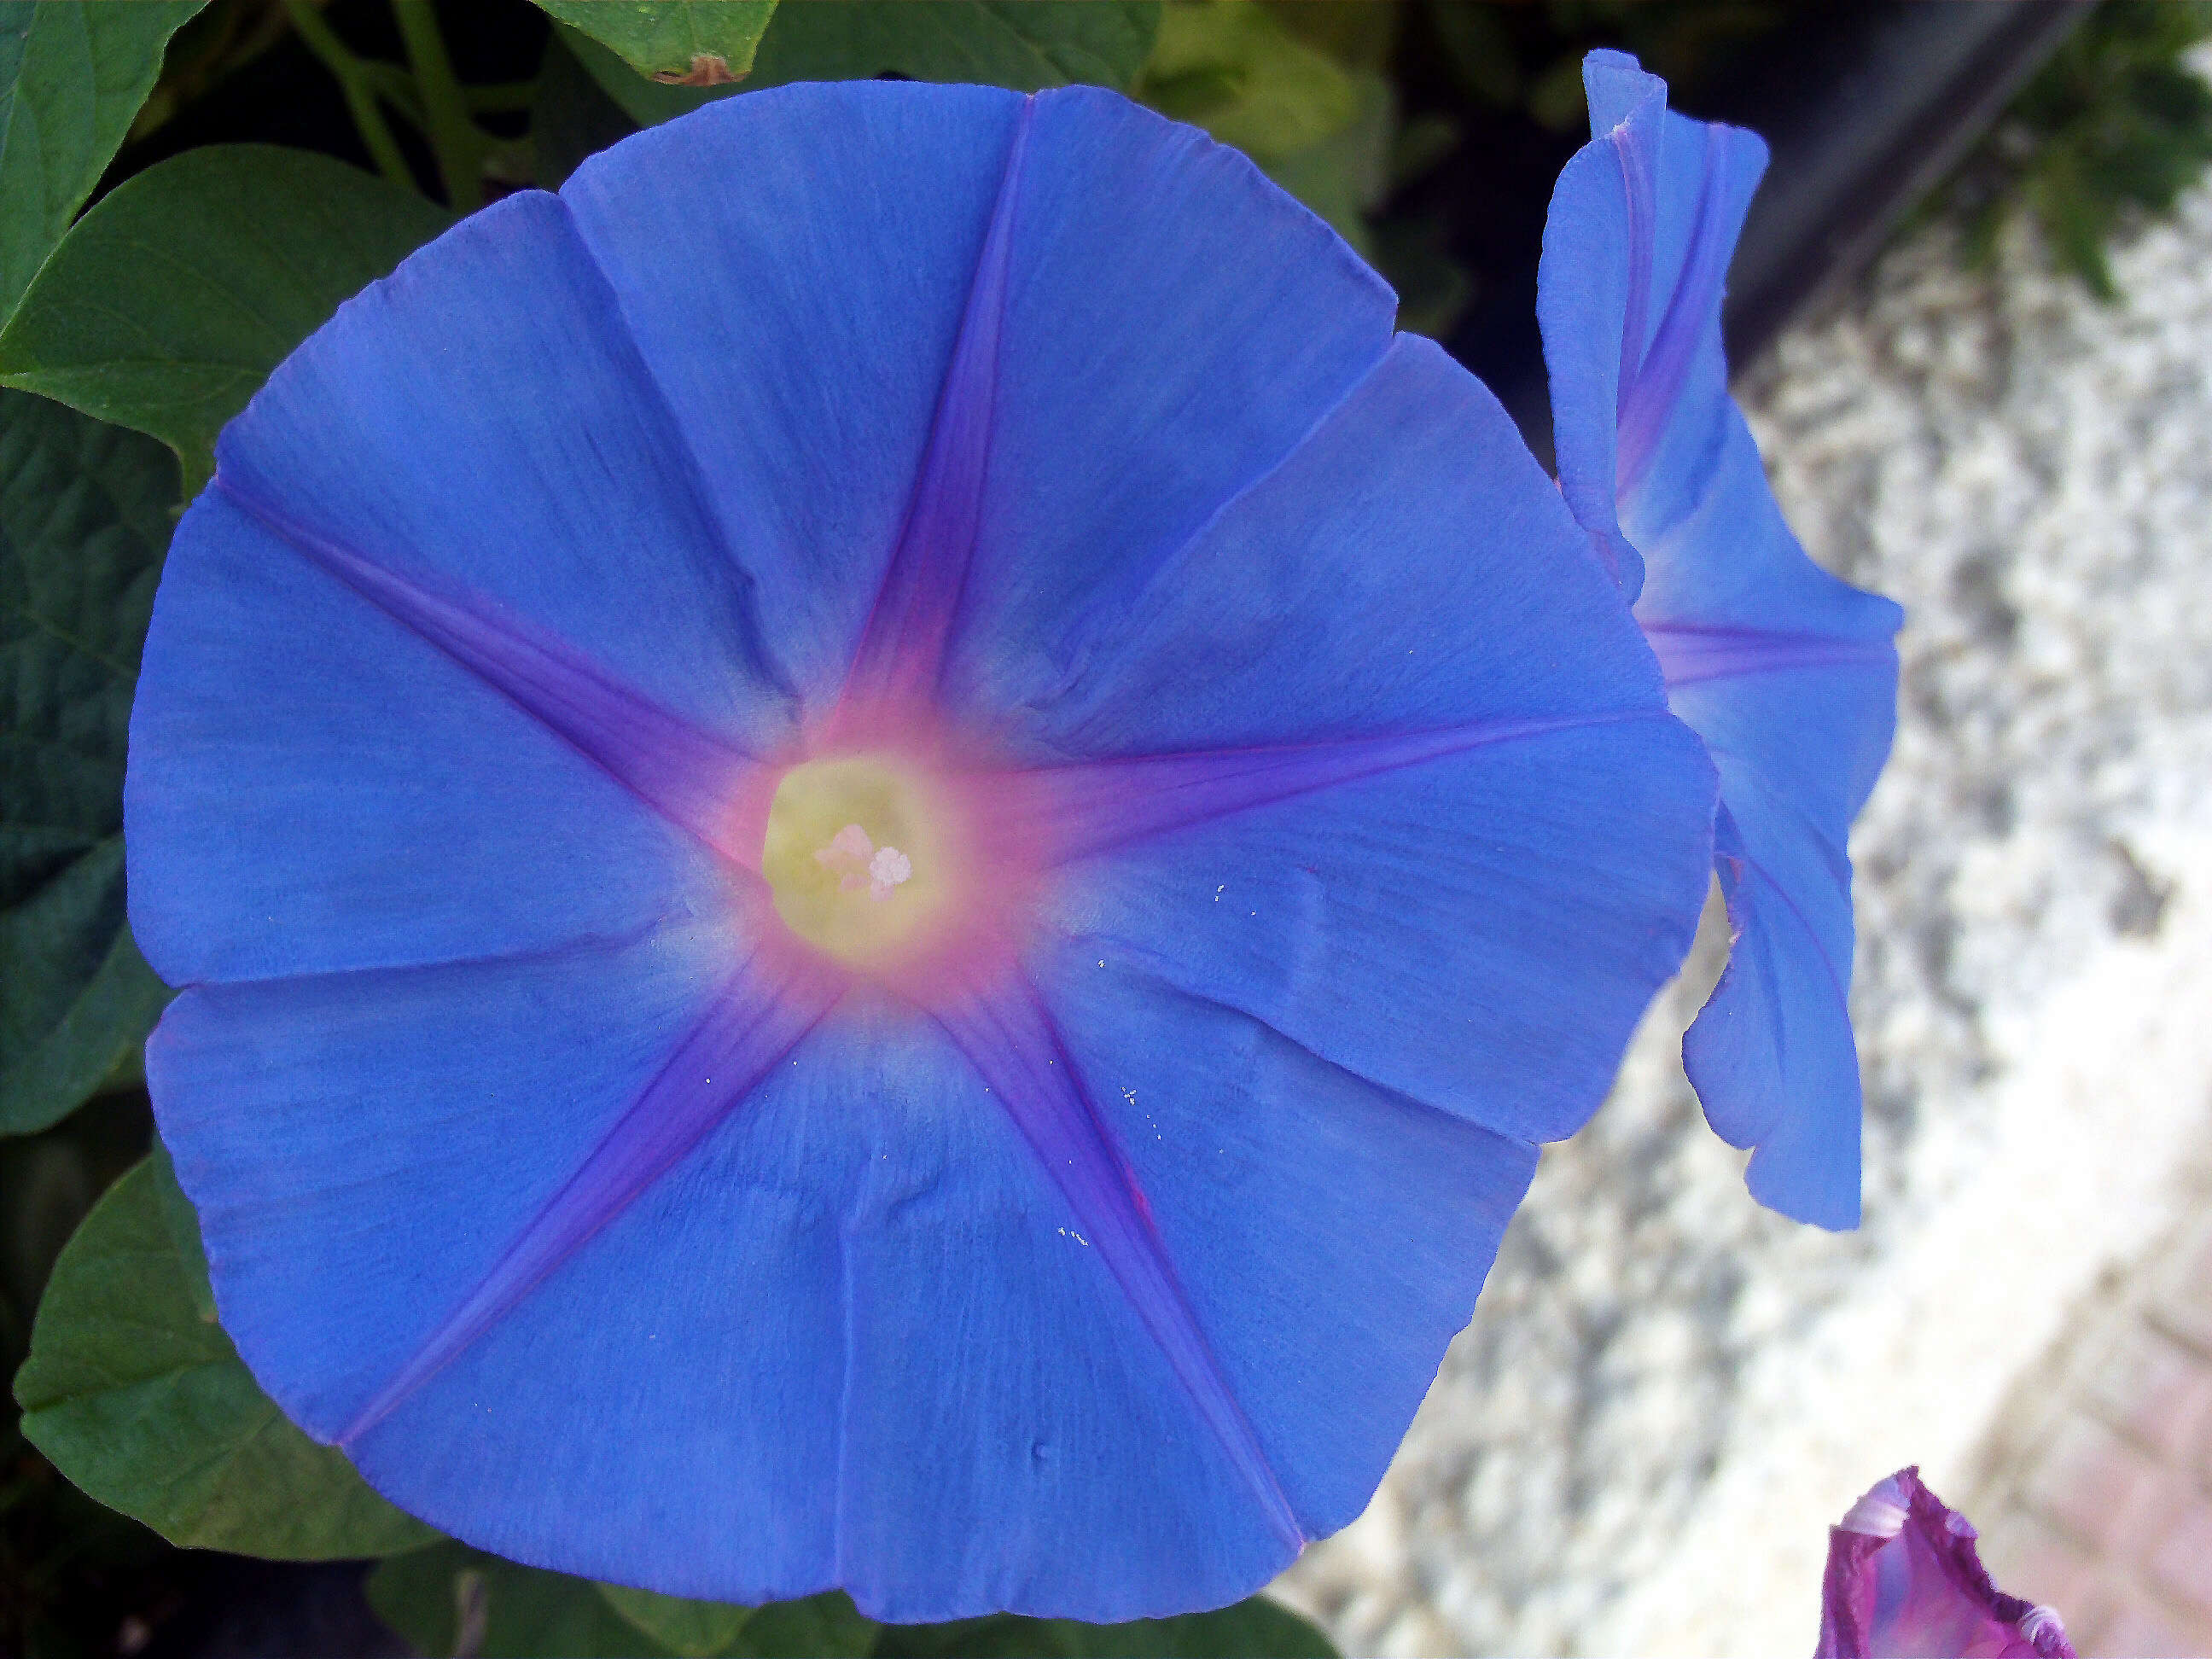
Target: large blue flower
885, 842
1787, 674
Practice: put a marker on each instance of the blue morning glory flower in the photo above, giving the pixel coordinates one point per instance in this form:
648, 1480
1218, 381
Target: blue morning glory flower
1787, 674
885, 841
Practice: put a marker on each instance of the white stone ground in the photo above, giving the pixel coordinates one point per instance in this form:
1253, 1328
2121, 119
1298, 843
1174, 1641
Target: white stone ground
1668, 1395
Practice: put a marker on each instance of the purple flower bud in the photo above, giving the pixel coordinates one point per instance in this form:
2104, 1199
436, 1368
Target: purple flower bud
1902, 1579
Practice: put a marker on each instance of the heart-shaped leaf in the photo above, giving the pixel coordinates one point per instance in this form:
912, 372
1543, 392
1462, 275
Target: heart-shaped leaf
1256, 1628
165, 307
83, 521
688, 43
1027, 44
453, 1599
71, 78
134, 1393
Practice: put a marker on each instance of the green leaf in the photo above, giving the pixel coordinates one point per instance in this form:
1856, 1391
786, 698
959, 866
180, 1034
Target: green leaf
827, 1626
165, 307
696, 1629
83, 519
1344, 175
571, 115
689, 43
1231, 67
71, 78
134, 1393
1253, 1629
1024, 44
453, 1599
1027, 44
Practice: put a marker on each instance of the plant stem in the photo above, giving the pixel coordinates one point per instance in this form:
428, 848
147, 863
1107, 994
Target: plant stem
458, 144
354, 80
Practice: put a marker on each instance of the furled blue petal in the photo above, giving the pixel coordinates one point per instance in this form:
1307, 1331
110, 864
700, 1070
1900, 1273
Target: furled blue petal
794, 266
1787, 674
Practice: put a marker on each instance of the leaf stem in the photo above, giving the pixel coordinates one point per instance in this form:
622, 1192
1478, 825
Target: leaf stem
458, 144
361, 93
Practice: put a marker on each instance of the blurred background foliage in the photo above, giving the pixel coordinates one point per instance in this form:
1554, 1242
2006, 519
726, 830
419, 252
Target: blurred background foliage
1427, 131
2112, 131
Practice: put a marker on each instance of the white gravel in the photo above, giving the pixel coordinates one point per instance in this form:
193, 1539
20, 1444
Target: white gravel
1668, 1395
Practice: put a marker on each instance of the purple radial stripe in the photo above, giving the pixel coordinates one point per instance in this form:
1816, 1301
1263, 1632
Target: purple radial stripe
1096, 805
689, 777
1693, 307
752, 1023
1010, 1039
1634, 146
1690, 655
902, 647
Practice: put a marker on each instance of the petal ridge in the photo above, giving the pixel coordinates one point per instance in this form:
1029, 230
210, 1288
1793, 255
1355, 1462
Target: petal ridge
1693, 654
910, 626
758, 658
1098, 806
1122, 594
1010, 1038
687, 776
755, 1022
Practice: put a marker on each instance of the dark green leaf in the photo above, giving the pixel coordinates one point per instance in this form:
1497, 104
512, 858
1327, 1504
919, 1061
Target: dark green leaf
1231, 67
696, 1629
453, 1599
183, 1224
826, 1627
696, 42
137, 1396
71, 77
1344, 175
1253, 1629
166, 305
1024, 44
84, 519
571, 115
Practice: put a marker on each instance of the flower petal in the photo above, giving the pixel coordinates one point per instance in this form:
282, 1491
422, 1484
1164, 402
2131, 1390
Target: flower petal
1331, 1236
480, 423
362, 1148
1476, 924
853, 1338
1787, 674
1481, 931
315, 786
1789, 677
1904, 1578
1138, 390
1407, 569
1593, 296
795, 265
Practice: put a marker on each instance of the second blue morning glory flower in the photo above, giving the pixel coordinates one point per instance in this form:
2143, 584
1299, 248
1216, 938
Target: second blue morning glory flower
1787, 674
885, 841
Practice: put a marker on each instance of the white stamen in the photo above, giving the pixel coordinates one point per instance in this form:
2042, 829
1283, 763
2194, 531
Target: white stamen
886, 870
